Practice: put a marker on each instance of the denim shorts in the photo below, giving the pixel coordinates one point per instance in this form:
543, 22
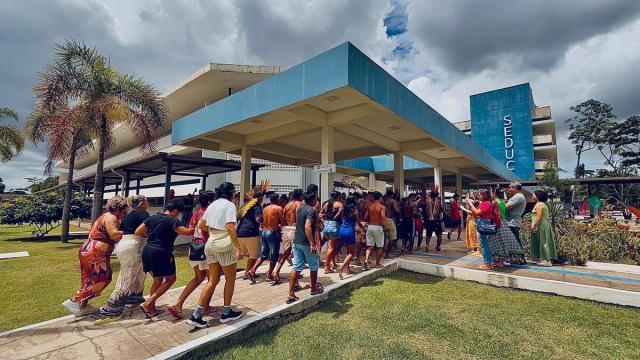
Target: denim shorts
270, 245
331, 229
301, 255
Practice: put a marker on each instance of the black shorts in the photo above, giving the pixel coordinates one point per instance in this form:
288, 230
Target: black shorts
433, 226
455, 223
158, 262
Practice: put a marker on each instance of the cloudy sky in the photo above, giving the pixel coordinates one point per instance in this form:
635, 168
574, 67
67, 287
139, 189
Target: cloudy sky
444, 51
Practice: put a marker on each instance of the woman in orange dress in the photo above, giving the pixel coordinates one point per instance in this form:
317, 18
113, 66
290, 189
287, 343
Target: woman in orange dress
95, 257
471, 232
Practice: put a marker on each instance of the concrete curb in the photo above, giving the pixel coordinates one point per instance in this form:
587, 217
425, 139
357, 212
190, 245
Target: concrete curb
586, 292
277, 316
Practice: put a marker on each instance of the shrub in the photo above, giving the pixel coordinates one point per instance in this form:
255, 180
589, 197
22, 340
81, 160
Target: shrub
597, 240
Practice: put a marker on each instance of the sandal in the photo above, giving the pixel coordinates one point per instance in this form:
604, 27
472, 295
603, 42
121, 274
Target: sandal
297, 288
292, 300
319, 290
175, 313
275, 282
209, 310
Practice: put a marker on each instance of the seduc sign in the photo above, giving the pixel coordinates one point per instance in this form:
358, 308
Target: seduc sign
509, 152
325, 169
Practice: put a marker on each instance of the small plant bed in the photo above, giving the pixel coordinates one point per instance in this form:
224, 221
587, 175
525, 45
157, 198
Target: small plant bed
412, 316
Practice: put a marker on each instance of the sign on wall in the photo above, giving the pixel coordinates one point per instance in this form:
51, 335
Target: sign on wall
509, 152
325, 169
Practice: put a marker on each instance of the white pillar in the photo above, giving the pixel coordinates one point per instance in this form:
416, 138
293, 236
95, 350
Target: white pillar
372, 181
437, 179
326, 157
245, 172
459, 184
398, 172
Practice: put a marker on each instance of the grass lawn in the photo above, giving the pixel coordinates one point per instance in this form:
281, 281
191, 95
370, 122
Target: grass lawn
412, 316
34, 287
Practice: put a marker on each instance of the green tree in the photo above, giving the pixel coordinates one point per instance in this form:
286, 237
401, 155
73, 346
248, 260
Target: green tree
627, 141
586, 125
11, 140
106, 97
551, 182
42, 184
2, 186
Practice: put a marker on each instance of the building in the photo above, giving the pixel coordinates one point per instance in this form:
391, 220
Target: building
243, 123
508, 124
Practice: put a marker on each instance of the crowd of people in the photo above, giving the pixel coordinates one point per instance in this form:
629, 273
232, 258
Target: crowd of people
288, 228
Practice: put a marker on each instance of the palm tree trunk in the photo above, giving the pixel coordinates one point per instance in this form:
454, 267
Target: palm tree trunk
68, 194
98, 194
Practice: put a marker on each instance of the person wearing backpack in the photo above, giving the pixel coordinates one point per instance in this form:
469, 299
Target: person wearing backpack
487, 221
197, 257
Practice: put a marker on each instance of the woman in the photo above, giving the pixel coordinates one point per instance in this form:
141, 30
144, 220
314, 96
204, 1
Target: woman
130, 282
95, 257
348, 231
248, 229
471, 231
504, 245
197, 258
543, 245
487, 212
223, 251
331, 214
161, 231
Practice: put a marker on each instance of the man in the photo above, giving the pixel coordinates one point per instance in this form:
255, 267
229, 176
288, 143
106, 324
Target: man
305, 247
363, 208
273, 219
375, 231
391, 211
407, 210
456, 219
433, 219
288, 230
514, 209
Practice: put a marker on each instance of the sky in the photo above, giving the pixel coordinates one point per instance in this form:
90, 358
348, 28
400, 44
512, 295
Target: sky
444, 51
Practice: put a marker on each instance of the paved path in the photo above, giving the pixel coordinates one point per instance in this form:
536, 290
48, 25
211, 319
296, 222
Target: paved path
454, 253
135, 337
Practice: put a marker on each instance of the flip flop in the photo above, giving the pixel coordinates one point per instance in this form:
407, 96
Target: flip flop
252, 278
276, 282
297, 288
292, 300
150, 315
172, 310
209, 310
107, 320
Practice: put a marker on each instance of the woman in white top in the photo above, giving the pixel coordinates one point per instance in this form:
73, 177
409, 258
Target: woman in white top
222, 251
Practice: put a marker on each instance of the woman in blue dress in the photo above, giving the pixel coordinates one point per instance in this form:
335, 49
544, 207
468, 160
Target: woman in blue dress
350, 218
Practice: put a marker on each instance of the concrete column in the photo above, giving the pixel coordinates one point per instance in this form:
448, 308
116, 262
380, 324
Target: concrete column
326, 180
372, 180
245, 171
203, 187
459, 184
398, 172
137, 186
127, 181
167, 182
437, 179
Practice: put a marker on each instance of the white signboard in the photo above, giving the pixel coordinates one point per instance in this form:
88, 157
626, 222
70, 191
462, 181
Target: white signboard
325, 169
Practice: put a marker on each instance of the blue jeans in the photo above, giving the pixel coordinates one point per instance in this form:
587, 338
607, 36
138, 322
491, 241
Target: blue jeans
301, 255
270, 245
486, 250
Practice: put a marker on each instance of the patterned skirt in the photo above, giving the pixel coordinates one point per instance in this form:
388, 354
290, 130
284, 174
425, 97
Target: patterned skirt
95, 269
504, 244
472, 234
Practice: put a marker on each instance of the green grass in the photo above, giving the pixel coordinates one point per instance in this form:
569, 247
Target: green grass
34, 287
413, 316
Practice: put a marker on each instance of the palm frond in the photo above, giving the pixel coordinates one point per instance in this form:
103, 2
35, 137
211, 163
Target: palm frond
11, 142
6, 113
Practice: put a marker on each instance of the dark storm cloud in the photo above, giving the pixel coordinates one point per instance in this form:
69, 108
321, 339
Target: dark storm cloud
468, 36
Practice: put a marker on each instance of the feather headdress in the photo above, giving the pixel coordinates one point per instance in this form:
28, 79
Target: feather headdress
251, 197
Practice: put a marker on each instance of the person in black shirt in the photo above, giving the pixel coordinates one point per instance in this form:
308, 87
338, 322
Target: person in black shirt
249, 232
130, 284
161, 231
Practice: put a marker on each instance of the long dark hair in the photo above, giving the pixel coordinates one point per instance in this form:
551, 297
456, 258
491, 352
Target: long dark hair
350, 205
330, 212
225, 190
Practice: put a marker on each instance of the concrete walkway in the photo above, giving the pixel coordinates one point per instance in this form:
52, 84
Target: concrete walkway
454, 253
135, 337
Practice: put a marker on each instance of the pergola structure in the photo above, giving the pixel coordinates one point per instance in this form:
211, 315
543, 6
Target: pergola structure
339, 105
165, 164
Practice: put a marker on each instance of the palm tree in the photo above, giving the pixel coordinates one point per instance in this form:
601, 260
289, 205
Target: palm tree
68, 137
81, 75
11, 140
